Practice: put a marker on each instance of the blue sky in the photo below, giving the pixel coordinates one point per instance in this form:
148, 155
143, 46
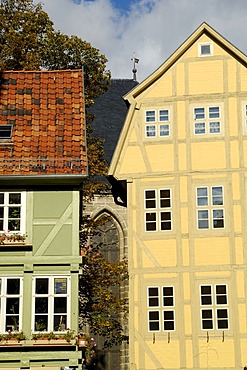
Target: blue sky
149, 29
123, 5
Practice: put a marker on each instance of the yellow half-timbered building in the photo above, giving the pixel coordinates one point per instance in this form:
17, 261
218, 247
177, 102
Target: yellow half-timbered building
182, 157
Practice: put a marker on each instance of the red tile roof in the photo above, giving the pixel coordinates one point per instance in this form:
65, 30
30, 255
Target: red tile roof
46, 109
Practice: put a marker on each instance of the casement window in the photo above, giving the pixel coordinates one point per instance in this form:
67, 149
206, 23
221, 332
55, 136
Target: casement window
214, 307
207, 120
12, 212
157, 123
51, 303
205, 49
11, 304
210, 211
158, 210
6, 131
161, 308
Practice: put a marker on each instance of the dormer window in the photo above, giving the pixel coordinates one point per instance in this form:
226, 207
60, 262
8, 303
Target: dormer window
6, 131
205, 49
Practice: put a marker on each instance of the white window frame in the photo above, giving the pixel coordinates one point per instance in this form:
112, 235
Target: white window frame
157, 123
4, 296
208, 207
6, 205
211, 311
50, 296
205, 44
209, 122
157, 212
160, 309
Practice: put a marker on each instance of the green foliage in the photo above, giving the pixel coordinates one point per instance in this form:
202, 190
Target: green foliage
23, 30
101, 307
28, 41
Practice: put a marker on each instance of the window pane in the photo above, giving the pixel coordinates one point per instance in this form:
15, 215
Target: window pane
151, 221
206, 295
218, 218
154, 321
199, 113
207, 319
5, 131
41, 305
165, 198
15, 198
214, 112
41, 323
150, 200
14, 212
150, 131
205, 49
168, 296
220, 289
164, 115
202, 196
221, 294
222, 318
60, 323
164, 130
203, 222
150, 116
200, 128
12, 306
14, 225
42, 285
153, 297
168, 320
1, 198
12, 323
13, 286
165, 221
217, 195
60, 286
214, 127
60, 305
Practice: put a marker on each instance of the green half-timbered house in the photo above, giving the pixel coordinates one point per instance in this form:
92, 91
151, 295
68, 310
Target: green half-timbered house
42, 166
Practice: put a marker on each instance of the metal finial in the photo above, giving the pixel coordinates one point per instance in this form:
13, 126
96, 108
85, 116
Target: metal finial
134, 70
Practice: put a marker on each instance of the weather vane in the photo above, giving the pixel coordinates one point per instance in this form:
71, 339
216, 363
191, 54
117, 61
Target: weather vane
134, 70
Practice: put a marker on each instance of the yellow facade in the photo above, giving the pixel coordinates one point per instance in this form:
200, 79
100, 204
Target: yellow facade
183, 155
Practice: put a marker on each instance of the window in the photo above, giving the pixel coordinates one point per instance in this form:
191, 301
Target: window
158, 214
6, 131
205, 49
210, 211
214, 309
51, 303
207, 120
161, 313
12, 212
157, 123
11, 304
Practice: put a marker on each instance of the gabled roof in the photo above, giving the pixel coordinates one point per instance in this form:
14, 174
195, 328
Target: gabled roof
47, 115
132, 96
110, 111
204, 28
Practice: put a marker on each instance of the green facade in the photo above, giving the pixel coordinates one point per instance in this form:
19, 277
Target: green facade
50, 253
